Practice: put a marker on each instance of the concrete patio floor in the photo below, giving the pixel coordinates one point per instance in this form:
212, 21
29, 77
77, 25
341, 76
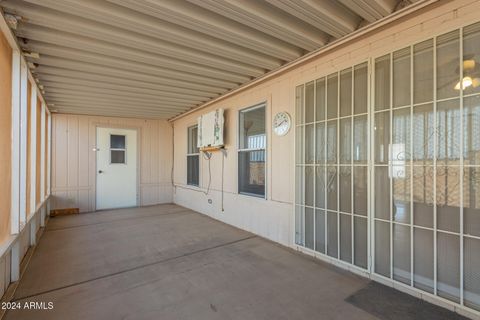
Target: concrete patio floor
169, 262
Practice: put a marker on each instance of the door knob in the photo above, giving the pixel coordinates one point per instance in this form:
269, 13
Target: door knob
100, 171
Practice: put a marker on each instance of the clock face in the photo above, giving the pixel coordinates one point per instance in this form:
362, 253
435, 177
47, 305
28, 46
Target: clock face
281, 123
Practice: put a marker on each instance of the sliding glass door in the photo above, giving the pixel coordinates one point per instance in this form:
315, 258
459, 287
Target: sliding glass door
426, 164
388, 166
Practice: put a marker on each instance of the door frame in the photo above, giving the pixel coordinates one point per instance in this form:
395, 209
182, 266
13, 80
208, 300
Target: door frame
104, 125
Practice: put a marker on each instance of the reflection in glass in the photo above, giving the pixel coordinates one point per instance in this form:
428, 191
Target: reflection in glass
401, 193
471, 60
423, 134
299, 147
360, 129
345, 189
423, 259
309, 181
382, 193
320, 230
423, 196
471, 127
448, 127
299, 185
360, 191
346, 92
360, 98
401, 77
320, 99
448, 198
471, 201
360, 242
309, 144
332, 240
401, 137
401, 253
320, 143
448, 70
310, 102
345, 140
382, 136
346, 237
332, 141
117, 141
382, 82
309, 228
448, 274
332, 188
299, 225
472, 273
332, 96
382, 248
320, 187
423, 72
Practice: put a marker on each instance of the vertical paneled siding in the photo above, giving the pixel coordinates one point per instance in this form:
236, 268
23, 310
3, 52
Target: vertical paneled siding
73, 159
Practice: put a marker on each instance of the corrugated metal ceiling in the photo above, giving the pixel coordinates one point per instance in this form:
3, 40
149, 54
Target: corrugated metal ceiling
157, 59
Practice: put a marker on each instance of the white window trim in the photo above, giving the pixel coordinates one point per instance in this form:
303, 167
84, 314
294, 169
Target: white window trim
239, 150
193, 154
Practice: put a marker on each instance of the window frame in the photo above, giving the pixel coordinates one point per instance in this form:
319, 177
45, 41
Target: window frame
242, 150
118, 149
190, 154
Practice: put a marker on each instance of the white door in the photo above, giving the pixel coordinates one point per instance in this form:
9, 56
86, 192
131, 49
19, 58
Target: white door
116, 168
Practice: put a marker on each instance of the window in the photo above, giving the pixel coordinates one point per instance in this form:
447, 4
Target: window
193, 156
251, 153
117, 149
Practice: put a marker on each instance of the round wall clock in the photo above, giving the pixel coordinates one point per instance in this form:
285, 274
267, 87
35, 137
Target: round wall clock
281, 123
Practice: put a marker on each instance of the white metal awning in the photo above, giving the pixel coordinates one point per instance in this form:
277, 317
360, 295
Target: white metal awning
159, 58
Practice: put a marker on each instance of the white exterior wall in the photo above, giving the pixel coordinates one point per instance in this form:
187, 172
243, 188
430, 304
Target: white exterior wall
273, 218
73, 160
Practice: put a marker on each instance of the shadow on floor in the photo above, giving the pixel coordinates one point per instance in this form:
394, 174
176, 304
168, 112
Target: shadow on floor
389, 304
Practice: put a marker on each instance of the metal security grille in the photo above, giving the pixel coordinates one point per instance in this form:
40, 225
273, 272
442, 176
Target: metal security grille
331, 165
415, 136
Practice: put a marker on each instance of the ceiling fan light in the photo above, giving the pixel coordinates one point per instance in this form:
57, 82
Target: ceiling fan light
475, 82
468, 64
466, 82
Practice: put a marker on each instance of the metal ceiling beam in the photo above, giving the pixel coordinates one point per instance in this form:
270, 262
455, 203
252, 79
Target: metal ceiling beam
109, 108
371, 10
43, 71
112, 96
182, 80
268, 19
88, 56
329, 16
102, 70
196, 18
121, 17
75, 41
45, 17
60, 101
83, 56
76, 96
52, 80
109, 112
